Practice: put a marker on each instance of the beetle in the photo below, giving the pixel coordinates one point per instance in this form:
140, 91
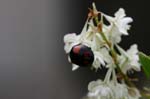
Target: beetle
81, 55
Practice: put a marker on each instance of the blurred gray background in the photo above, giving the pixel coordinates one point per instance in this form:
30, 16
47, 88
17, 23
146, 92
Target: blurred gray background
33, 64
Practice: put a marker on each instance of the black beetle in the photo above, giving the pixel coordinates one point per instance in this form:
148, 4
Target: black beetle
81, 55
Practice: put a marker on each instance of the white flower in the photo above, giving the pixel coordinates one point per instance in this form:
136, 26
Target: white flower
111, 90
120, 21
118, 25
129, 59
102, 57
99, 90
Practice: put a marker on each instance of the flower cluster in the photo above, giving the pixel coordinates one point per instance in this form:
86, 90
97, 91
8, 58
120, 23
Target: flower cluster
94, 47
111, 89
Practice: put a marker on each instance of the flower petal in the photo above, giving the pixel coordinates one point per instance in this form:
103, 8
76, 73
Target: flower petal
120, 13
70, 37
123, 25
68, 46
74, 67
84, 30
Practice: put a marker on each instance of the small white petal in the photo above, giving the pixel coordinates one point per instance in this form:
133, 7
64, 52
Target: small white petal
74, 67
129, 60
93, 84
105, 55
123, 25
84, 30
120, 91
70, 37
109, 18
69, 59
87, 43
121, 50
133, 49
120, 13
68, 46
98, 56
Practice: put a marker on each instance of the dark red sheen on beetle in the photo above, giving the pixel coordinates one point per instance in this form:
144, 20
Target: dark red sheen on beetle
81, 55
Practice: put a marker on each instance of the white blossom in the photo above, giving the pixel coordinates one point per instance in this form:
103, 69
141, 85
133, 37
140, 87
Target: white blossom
118, 25
111, 89
102, 57
99, 90
102, 90
129, 59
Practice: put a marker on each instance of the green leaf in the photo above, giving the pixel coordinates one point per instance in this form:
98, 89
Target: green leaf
145, 62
